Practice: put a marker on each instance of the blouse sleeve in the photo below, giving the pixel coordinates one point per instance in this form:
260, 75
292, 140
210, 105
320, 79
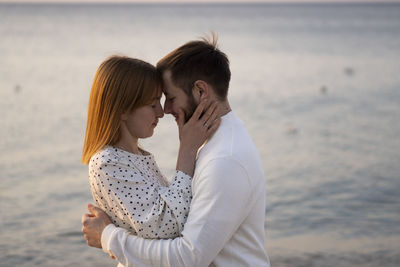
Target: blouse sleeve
141, 206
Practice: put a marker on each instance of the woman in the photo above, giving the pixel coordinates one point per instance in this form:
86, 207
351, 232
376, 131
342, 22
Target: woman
125, 180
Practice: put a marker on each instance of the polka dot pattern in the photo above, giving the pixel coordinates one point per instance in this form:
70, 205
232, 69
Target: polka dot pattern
132, 191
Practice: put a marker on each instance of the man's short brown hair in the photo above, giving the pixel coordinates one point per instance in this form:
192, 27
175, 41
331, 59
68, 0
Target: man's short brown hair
198, 60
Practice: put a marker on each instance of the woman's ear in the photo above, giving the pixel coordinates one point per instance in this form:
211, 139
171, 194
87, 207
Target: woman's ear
201, 90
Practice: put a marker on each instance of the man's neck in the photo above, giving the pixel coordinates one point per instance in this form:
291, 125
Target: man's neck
223, 108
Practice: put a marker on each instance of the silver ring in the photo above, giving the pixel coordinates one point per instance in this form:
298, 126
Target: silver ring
206, 125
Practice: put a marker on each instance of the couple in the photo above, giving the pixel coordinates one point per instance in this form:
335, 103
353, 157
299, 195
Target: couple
212, 212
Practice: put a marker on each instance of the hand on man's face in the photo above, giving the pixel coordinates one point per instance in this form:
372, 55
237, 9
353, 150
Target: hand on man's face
93, 225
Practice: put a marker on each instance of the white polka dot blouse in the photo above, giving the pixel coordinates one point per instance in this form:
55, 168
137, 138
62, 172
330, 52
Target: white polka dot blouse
132, 191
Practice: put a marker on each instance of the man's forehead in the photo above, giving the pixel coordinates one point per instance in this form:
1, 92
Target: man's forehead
166, 74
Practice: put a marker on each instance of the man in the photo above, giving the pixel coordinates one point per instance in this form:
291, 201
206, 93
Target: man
225, 226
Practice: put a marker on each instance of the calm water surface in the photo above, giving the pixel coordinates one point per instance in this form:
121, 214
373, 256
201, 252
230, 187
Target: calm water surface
318, 87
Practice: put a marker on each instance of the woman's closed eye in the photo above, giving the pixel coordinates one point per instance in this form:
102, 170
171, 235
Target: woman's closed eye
155, 103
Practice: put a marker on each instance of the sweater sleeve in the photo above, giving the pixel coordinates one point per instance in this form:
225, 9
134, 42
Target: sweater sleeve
220, 204
143, 207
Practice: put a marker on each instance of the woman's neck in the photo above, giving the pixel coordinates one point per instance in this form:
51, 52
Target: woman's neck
129, 146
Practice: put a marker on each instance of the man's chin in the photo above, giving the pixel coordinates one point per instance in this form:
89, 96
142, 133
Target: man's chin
191, 107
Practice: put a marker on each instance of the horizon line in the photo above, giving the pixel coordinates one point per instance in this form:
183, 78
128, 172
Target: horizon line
196, 2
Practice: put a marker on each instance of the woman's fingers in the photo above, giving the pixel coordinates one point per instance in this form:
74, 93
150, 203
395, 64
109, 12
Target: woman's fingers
202, 118
199, 110
210, 115
181, 118
214, 127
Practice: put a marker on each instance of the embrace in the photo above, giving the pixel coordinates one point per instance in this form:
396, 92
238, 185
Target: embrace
211, 213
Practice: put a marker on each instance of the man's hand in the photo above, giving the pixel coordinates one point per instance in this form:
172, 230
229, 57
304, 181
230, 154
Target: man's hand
93, 225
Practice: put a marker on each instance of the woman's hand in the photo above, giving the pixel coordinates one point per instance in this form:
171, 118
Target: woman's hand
193, 134
199, 127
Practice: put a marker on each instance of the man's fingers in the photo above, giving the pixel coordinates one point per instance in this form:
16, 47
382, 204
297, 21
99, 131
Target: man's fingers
93, 210
85, 218
90, 208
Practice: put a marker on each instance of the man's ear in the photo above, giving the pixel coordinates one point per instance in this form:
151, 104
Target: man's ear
201, 90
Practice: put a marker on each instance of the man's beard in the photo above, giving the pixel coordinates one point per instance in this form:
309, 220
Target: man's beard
190, 108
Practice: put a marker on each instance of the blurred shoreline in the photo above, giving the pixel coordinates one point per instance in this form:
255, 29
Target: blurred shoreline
316, 85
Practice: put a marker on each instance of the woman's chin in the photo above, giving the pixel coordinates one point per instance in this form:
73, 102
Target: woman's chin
150, 134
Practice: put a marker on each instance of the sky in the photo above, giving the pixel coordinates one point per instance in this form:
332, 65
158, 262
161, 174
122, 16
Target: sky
188, 1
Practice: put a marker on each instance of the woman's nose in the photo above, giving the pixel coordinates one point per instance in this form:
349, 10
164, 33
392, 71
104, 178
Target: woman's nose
160, 112
167, 107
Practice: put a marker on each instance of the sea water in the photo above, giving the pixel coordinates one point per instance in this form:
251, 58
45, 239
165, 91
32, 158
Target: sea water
317, 85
